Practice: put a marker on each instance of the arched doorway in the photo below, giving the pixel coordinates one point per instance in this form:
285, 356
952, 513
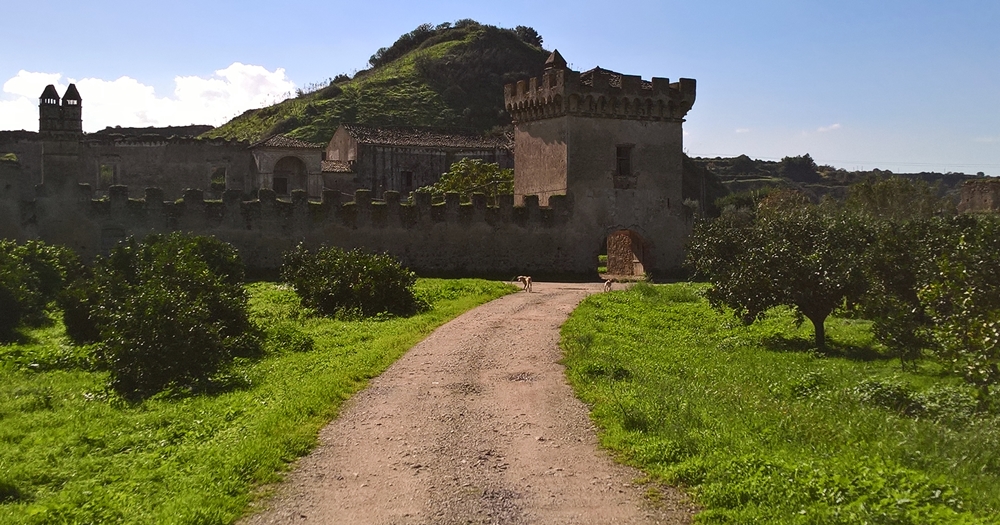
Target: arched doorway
628, 254
289, 174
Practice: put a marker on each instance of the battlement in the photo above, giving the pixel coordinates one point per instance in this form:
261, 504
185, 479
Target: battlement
597, 93
299, 215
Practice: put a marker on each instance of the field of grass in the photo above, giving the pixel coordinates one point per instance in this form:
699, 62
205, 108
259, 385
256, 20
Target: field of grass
70, 453
760, 429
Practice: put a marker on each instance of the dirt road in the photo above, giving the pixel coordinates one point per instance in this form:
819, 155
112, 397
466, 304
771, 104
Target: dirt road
476, 424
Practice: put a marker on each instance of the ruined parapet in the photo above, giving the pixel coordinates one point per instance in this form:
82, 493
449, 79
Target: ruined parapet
980, 196
597, 93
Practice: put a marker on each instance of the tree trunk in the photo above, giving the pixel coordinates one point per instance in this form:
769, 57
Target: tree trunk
818, 327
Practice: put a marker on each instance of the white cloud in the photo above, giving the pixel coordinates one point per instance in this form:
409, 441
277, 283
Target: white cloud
831, 127
988, 140
743, 130
128, 102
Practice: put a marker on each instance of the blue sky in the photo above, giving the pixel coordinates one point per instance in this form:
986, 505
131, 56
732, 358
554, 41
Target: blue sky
900, 85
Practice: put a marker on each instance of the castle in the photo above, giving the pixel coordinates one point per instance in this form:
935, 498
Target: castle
597, 158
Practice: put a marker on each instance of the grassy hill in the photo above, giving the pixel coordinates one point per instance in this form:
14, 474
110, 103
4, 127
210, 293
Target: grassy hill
443, 76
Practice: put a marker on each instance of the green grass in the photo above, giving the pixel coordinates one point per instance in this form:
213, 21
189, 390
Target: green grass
762, 430
70, 453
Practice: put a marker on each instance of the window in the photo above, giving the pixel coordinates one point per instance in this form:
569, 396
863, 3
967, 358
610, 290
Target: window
624, 154
280, 185
407, 177
106, 176
625, 179
218, 180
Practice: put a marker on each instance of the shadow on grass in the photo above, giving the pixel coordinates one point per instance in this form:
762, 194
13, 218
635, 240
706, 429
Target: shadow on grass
781, 343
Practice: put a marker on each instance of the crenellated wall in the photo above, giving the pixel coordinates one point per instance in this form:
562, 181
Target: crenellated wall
448, 238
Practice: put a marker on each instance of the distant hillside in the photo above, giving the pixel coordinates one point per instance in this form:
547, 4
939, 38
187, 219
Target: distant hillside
739, 174
444, 76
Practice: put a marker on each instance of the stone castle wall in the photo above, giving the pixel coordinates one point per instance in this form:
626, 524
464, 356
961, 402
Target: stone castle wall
444, 239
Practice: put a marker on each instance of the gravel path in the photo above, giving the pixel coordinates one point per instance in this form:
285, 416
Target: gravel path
476, 424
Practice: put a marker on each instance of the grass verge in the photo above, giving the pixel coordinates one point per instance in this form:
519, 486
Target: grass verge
762, 430
70, 453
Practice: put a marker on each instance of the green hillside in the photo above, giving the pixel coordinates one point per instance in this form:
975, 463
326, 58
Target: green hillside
443, 76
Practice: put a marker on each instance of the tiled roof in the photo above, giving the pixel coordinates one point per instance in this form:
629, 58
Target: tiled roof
282, 141
426, 137
336, 166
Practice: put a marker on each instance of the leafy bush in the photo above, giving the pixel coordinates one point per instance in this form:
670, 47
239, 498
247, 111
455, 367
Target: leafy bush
468, 176
31, 276
352, 283
167, 311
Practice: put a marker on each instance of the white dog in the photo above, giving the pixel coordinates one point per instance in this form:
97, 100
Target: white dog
525, 280
607, 285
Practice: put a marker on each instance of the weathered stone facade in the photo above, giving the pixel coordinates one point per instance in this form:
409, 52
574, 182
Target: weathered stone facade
404, 159
980, 196
601, 151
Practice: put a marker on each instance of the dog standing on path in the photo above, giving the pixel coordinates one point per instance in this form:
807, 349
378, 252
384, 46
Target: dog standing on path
525, 280
607, 285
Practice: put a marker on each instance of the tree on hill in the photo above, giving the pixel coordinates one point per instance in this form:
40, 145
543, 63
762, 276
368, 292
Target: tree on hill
799, 169
529, 35
744, 165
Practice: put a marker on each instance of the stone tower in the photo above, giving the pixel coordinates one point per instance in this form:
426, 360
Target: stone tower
57, 115
60, 124
613, 144
49, 110
72, 110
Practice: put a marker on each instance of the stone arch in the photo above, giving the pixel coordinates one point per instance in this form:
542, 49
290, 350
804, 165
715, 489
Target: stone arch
602, 105
629, 254
290, 174
574, 103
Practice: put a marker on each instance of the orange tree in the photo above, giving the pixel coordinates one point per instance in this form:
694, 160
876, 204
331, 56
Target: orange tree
790, 253
961, 295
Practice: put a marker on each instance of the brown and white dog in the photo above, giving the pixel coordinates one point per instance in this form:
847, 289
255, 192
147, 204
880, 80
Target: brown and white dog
607, 285
525, 281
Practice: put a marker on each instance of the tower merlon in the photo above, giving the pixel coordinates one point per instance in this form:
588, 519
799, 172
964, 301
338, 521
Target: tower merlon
597, 93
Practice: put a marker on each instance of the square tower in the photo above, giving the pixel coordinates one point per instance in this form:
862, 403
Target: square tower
596, 130
613, 144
